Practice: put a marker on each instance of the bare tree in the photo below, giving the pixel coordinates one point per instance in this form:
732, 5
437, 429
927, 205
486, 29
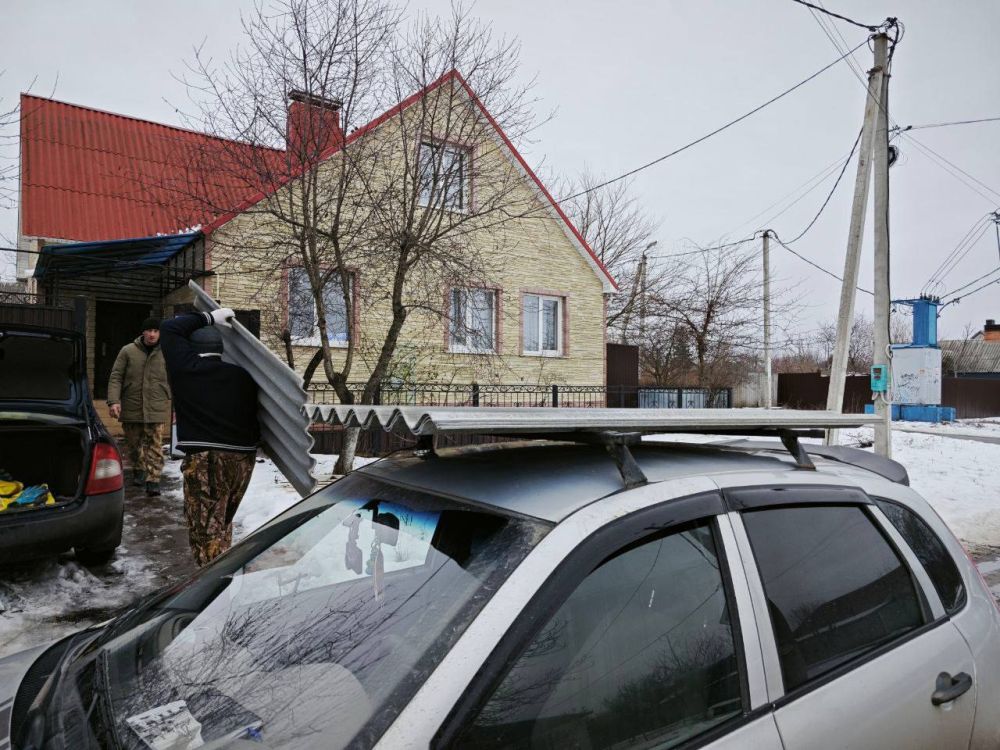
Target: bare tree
8, 176
393, 199
957, 355
715, 298
620, 232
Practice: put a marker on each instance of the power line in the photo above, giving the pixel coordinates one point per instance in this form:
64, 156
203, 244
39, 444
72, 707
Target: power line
830, 194
966, 286
872, 29
906, 128
938, 159
815, 265
967, 294
718, 130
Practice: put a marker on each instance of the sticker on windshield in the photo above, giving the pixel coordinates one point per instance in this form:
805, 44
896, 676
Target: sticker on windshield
167, 727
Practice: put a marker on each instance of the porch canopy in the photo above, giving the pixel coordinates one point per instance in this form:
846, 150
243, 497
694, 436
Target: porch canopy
142, 267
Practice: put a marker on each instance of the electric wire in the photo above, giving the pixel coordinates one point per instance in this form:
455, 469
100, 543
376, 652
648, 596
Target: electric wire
908, 128
705, 137
976, 280
953, 165
815, 265
950, 265
829, 195
821, 9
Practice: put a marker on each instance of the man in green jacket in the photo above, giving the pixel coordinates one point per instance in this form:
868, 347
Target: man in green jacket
139, 396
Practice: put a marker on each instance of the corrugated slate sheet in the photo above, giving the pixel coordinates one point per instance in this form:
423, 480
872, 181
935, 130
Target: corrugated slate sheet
421, 421
972, 356
283, 421
91, 175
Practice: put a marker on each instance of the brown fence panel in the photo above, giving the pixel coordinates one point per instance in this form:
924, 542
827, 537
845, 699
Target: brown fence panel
37, 315
622, 378
971, 397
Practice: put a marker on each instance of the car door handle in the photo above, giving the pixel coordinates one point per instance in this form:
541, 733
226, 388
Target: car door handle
949, 688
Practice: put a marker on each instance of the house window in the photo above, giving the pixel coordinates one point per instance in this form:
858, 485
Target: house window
443, 176
302, 318
473, 320
543, 318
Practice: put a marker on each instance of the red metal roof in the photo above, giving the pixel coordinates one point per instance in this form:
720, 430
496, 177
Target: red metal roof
88, 175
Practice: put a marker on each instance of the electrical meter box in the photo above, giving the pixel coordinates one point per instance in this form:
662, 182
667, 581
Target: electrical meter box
880, 378
916, 375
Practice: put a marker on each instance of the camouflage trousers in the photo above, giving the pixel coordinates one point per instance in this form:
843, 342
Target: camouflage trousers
214, 483
144, 445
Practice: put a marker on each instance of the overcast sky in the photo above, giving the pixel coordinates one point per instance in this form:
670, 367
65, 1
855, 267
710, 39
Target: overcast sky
631, 81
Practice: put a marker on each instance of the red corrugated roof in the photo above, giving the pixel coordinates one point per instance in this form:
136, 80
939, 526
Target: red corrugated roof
88, 175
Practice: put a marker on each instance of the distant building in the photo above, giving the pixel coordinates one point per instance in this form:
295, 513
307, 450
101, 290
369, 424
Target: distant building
977, 357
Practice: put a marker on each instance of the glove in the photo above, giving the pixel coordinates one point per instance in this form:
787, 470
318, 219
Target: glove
222, 316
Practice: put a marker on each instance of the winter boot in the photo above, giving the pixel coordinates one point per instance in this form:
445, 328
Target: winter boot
138, 478
153, 489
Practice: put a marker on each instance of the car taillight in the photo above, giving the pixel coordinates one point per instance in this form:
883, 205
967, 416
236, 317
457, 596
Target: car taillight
105, 470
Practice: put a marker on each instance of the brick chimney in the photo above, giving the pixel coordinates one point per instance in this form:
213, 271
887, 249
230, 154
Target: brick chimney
313, 124
991, 331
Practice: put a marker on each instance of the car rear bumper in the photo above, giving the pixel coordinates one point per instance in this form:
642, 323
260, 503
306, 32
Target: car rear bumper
93, 522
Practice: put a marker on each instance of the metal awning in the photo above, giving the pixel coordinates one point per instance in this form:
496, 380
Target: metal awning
284, 426
424, 421
93, 258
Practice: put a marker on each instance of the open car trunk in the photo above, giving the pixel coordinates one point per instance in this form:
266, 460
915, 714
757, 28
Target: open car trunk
35, 454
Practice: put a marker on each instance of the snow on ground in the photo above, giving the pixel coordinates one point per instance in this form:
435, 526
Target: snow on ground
959, 478
975, 428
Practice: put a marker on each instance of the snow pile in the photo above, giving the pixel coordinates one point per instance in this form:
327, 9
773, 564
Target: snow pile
959, 478
51, 598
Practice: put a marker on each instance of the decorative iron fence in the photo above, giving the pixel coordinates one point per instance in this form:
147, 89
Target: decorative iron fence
515, 395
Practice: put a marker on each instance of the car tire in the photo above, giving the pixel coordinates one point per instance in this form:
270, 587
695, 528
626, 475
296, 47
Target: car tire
93, 557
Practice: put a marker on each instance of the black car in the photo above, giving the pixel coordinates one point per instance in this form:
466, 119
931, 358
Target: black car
50, 434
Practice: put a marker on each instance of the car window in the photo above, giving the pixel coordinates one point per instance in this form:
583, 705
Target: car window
835, 588
641, 654
312, 632
931, 552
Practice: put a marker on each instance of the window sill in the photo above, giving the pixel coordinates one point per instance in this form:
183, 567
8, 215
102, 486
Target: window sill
552, 355
315, 343
479, 352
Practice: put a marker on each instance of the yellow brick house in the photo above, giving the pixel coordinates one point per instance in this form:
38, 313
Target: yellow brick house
530, 311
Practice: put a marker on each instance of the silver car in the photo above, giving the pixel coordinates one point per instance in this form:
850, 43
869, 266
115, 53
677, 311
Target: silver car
600, 593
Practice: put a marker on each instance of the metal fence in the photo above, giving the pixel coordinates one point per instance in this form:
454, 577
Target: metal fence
515, 395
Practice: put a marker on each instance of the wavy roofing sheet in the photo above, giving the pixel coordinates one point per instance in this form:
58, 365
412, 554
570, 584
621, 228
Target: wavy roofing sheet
283, 422
421, 421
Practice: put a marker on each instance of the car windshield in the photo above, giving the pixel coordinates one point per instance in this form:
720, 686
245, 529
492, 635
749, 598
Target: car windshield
313, 632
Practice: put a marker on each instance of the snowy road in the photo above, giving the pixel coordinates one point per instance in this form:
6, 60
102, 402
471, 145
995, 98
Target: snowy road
43, 601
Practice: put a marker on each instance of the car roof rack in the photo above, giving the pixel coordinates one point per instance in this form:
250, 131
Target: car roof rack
615, 429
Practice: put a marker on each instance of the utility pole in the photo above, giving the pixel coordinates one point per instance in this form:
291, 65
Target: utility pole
848, 290
881, 354
767, 317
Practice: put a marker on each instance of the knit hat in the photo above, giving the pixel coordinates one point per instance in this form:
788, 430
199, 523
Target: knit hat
151, 324
207, 340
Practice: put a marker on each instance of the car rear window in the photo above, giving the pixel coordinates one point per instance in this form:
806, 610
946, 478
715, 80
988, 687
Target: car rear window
36, 367
835, 588
931, 552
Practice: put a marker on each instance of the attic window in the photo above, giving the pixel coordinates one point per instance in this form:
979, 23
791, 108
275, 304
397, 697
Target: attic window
444, 175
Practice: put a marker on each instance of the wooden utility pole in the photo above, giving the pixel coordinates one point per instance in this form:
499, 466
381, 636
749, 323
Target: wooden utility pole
881, 354
848, 290
767, 317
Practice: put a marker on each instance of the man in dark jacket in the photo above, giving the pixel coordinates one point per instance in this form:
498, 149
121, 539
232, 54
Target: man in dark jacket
138, 396
216, 407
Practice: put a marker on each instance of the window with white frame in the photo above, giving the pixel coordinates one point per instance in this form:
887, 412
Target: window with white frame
543, 323
473, 320
444, 177
302, 319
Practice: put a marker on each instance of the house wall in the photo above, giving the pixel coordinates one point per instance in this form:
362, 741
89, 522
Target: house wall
529, 253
